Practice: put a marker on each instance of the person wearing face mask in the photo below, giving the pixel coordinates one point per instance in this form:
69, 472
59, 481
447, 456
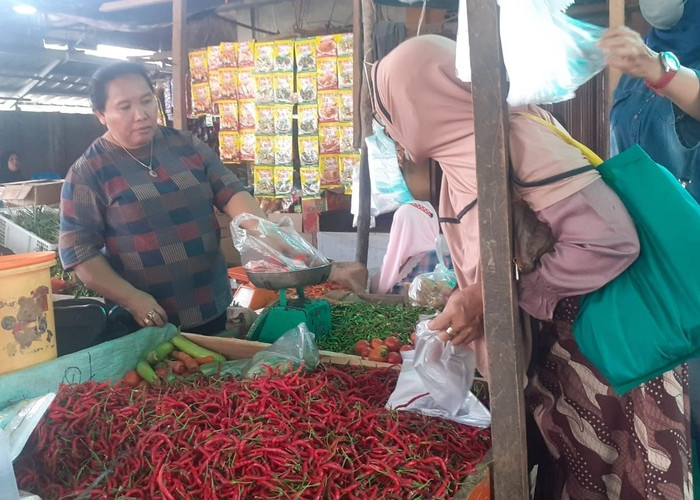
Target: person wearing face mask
10, 168
137, 211
600, 445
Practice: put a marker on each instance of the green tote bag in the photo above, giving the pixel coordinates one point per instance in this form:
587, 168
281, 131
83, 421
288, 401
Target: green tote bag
647, 320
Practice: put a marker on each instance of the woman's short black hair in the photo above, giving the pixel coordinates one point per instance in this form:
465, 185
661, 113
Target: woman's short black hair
102, 77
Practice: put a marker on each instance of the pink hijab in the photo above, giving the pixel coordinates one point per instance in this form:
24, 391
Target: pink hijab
413, 232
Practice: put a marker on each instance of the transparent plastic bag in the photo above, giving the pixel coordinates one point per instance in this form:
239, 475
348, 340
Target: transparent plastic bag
434, 288
550, 59
271, 247
286, 353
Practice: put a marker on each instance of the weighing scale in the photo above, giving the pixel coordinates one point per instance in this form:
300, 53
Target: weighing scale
283, 315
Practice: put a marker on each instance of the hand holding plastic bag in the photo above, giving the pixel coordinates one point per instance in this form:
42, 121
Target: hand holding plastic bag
434, 288
287, 352
273, 248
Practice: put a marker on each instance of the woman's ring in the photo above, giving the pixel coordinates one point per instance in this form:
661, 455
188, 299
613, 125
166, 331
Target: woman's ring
147, 319
151, 315
450, 332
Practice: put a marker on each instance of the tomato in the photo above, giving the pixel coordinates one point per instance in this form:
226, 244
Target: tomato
394, 358
406, 347
378, 353
58, 285
376, 343
393, 343
360, 346
366, 351
413, 338
131, 378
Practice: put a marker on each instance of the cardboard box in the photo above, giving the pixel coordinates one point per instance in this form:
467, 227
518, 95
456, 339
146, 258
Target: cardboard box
40, 192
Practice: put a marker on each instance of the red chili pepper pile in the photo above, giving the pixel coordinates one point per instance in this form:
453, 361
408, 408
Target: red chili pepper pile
321, 435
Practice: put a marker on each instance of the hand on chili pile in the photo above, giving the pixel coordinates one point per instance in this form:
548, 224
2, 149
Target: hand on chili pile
146, 311
462, 320
625, 50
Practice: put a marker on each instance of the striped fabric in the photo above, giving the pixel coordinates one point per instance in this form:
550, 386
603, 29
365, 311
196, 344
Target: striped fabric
160, 234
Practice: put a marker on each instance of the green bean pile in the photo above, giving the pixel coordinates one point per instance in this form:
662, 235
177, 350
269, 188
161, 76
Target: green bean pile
41, 220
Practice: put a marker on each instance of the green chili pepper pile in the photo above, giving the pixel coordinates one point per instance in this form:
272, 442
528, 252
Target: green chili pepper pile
365, 321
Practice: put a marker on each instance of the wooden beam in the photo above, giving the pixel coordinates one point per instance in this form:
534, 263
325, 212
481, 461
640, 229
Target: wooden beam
501, 313
616, 13
118, 5
180, 63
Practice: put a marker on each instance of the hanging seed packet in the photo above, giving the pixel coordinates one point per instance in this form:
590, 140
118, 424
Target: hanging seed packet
213, 57
246, 84
283, 118
305, 53
247, 141
246, 114
264, 57
264, 89
306, 87
349, 167
284, 56
310, 183
264, 150
308, 150
329, 138
283, 149
201, 98
228, 115
307, 114
229, 146
330, 171
345, 108
284, 181
347, 138
345, 72
328, 106
327, 74
265, 120
344, 44
264, 181
326, 46
227, 55
214, 85
198, 66
228, 83
284, 85
246, 54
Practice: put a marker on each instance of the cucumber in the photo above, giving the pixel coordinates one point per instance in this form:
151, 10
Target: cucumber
146, 372
194, 350
161, 352
210, 369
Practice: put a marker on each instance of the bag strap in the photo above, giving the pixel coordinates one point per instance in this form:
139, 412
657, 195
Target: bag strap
591, 156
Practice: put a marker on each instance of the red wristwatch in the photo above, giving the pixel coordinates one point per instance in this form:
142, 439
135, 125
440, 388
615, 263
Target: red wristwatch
671, 65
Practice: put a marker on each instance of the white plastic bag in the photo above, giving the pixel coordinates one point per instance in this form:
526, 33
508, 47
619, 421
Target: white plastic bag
19, 420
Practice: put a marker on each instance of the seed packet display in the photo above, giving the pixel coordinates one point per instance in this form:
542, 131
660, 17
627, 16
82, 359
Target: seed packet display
246, 114
326, 46
215, 85
284, 56
229, 146
328, 106
264, 150
201, 98
306, 87
345, 106
307, 115
264, 181
264, 89
214, 57
330, 171
247, 141
283, 149
198, 66
246, 54
227, 55
310, 183
228, 83
284, 181
328, 138
345, 72
264, 57
327, 73
349, 169
284, 86
305, 54
283, 118
246, 84
308, 150
265, 123
347, 138
344, 44
228, 115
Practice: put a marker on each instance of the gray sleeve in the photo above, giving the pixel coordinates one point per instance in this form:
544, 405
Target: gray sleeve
662, 14
596, 241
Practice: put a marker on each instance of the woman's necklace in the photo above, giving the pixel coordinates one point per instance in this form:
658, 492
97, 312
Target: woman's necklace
148, 167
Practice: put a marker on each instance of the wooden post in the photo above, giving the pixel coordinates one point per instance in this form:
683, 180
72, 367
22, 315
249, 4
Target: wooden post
501, 315
363, 217
180, 63
616, 13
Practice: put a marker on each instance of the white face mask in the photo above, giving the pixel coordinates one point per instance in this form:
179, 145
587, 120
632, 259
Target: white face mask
662, 14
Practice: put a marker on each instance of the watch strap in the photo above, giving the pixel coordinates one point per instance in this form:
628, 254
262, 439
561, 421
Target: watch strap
669, 74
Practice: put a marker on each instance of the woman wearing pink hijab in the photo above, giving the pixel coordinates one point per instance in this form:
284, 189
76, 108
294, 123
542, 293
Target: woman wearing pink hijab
601, 445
